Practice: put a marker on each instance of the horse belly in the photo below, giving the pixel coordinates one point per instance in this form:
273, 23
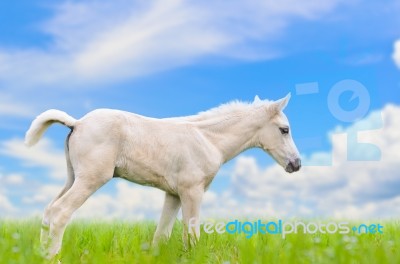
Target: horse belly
144, 176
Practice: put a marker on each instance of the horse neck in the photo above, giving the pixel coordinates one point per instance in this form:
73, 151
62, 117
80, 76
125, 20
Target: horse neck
232, 134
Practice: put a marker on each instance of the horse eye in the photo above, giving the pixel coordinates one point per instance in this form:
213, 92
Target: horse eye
284, 130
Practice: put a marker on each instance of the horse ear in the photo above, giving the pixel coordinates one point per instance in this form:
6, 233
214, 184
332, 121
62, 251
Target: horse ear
279, 105
257, 100
282, 103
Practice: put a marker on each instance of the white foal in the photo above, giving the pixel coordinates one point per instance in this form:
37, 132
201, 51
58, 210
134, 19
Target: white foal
178, 155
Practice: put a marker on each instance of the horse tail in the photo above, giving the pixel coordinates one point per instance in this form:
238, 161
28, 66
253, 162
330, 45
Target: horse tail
43, 121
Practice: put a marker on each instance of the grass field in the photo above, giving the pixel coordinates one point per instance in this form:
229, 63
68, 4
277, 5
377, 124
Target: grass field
129, 242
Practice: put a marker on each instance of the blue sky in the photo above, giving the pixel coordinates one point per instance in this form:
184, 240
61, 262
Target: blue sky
173, 58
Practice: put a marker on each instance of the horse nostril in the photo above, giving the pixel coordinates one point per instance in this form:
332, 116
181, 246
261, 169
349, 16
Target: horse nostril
289, 168
297, 164
293, 166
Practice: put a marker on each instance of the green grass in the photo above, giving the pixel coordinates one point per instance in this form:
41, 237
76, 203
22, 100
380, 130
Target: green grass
129, 242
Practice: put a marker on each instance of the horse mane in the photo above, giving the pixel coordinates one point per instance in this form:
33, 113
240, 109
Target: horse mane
226, 111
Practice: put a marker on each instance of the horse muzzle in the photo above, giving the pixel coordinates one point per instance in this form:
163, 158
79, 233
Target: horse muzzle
293, 166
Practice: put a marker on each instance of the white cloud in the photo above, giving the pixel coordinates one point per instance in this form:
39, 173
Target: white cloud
347, 189
12, 109
6, 206
10, 106
43, 194
132, 201
44, 154
12, 179
97, 41
128, 201
396, 53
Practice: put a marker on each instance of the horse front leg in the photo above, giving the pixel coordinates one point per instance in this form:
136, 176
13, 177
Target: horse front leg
191, 202
172, 204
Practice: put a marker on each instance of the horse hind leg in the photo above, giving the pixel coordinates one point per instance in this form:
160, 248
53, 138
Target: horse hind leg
92, 172
44, 234
61, 210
